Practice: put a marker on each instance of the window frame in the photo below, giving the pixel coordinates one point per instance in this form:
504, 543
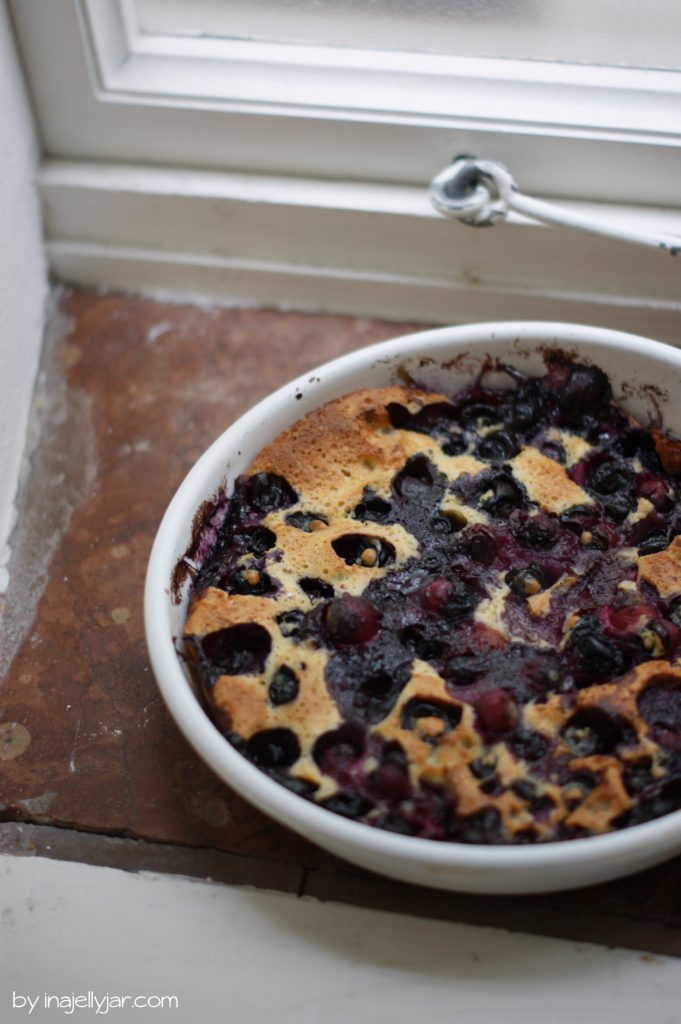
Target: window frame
258, 200
571, 131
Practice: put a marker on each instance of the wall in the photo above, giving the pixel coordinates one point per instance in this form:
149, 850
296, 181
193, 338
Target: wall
23, 277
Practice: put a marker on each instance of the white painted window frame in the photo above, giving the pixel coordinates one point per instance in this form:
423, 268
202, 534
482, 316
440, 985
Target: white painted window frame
107, 90
297, 175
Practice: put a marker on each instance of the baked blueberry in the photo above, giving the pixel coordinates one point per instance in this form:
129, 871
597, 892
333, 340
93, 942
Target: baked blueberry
417, 711
597, 655
414, 481
266, 492
273, 748
452, 599
307, 521
316, 589
290, 623
592, 731
501, 495
498, 446
234, 650
350, 620
373, 509
283, 686
363, 549
587, 392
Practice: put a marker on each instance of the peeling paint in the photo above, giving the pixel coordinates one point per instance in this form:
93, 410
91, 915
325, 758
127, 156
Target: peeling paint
38, 804
157, 330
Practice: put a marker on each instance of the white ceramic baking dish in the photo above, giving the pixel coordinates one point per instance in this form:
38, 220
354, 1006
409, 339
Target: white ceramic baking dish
646, 377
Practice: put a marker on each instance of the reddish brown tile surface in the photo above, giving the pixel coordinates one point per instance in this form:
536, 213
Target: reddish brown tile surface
86, 745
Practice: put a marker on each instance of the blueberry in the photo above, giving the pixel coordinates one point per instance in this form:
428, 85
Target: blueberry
398, 416
497, 710
579, 518
537, 532
372, 509
656, 490
419, 645
481, 545
668, 634
638, 776
290, 623
390, 781
657, 541
393, 821
435, 417
527, 791
415, 479
416, 708
528, 745
497, 447
461, 671
361, 549
587, 392
234, 650
506, 495
273, 748
600, 539
305, 520
454, 443
526, 582
350, 805
611, 478
394, 754
527, 407
640, 444
484, 767
453, 600
445, 525
480, 415
350, 620
596, 654
337, 750
256, 541
578, 787
316, 589
616, 507
301, 787
592, 731
482, 827
375, 694
283, 686
249, 580
674, 613
660, 707
667, 800
553, 450
492, 786
266, 492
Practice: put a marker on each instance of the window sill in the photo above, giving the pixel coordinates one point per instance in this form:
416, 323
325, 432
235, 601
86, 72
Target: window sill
346, 247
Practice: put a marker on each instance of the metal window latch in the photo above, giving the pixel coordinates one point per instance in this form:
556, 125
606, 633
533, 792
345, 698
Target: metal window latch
482, 192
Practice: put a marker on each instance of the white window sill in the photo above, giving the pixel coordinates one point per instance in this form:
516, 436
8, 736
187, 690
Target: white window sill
347, 247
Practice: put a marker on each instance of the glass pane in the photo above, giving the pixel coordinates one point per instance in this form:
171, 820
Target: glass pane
630, 33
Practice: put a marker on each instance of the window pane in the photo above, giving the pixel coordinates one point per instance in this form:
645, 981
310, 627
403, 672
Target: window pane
628, 33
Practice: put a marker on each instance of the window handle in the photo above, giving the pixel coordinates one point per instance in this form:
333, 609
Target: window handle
481, 193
